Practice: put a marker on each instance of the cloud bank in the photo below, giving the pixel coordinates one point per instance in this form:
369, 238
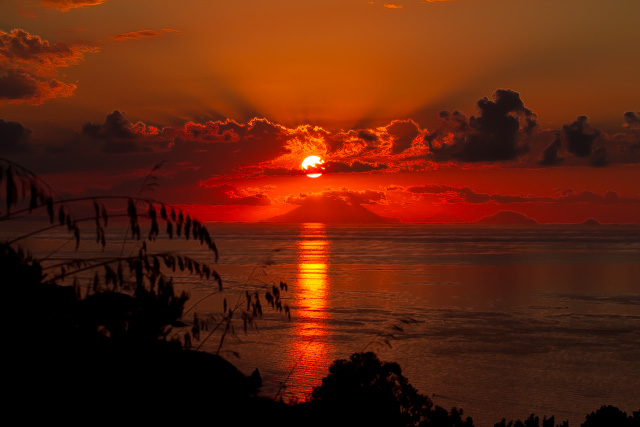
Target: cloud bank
205, 162
29, 64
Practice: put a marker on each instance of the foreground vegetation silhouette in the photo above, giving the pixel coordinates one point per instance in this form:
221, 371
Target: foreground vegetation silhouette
365, 391
606, 416
117, 348
112, 343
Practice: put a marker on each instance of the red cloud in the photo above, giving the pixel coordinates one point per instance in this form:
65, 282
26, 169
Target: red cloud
227, 194
367, 197
142, 34
28, 65
66, 5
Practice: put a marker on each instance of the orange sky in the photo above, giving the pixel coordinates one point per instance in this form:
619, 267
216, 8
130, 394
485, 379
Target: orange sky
541, 103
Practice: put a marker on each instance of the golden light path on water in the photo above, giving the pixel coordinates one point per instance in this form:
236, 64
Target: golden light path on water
310, 348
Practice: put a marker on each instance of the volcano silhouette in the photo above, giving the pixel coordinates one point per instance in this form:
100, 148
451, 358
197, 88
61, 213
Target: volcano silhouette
330, 210
507, 218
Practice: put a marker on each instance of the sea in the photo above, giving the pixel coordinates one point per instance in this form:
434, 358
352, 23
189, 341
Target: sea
501, 321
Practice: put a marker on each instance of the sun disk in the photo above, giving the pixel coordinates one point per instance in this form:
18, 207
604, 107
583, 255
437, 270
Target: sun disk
314, 165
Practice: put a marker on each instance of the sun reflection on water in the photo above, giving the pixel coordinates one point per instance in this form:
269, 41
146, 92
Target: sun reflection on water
310, 347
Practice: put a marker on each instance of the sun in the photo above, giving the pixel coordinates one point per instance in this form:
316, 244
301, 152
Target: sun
314, 163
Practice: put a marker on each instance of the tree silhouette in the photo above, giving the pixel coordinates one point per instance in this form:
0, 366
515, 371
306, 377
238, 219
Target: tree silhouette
611, 416
365, 391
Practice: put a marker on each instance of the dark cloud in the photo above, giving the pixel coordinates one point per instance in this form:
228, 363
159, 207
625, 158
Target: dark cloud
357, 166
430, 189
393, 139
619, 148
119, 135
14, 137
585, 146
182, 187
260, 140
367, 197
550, 155
113, 146
15, 85
114, 126
470, 196
227, 194
216, 149
68, 147
496, 134
367, 136
631, 120
263, 130
278, 172
66, 5
228, 131
610, 197
253, 142
599, 158
346, 140
579, 137
231, 127
452, 194
402, 133
19, 45
236, 145
28, 65
329, 167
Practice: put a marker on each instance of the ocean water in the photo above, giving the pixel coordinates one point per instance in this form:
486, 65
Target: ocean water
499, 321
508, 320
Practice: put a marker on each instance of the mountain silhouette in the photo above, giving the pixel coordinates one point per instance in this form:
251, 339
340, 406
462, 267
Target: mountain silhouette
330, 210
507, 218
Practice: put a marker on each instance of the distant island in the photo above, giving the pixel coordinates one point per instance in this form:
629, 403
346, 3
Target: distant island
330, 210
507, 218
590, 221
335, 210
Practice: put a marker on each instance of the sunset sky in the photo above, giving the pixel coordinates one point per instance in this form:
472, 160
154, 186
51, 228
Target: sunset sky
421, 109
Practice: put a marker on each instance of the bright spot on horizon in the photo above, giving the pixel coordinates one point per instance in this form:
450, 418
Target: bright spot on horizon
313, 162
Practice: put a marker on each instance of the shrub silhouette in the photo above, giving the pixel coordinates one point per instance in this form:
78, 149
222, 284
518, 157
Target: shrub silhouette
606, 416
111, 346
611, 416
128, 297
365, 391
532, 421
